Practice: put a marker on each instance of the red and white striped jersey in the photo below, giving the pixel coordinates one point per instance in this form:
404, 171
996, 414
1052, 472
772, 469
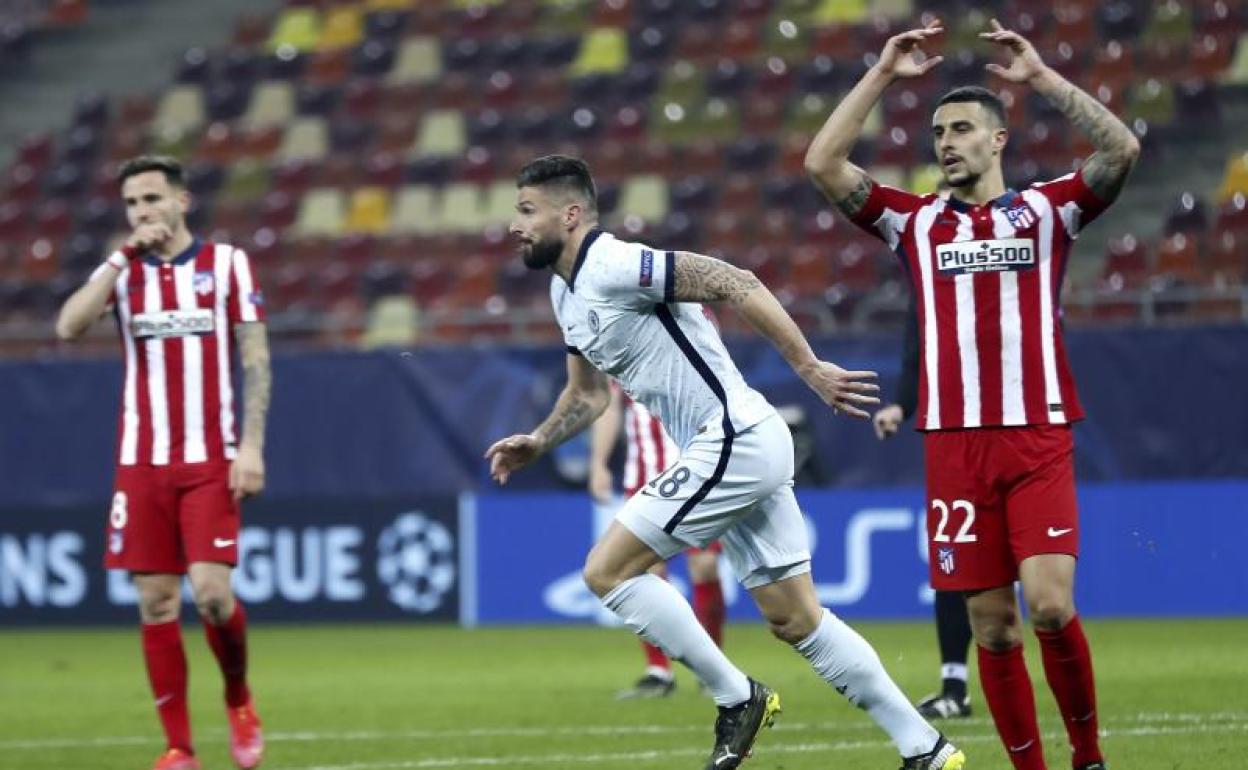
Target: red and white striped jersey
176, 321
650, 451
987, 281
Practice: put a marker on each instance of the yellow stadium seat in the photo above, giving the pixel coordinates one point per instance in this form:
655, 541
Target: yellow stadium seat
393, 321
1236, 178
841, 11
181, 110
463, 210
925, 179
1171, 22
644, 196
272, 103
893, 176
1153, 102
320, 213
414, 211
305, 138
893, 9
369, 211
464, 5
298, 28
603, 50
419, 61
682, 83
343, 27
389, 5
441, 134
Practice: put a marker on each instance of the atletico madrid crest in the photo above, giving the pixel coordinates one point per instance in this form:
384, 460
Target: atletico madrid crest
203, 282
944, 557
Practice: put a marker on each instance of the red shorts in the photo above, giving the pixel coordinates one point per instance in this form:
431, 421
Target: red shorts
714, 548
996, 496
164, 517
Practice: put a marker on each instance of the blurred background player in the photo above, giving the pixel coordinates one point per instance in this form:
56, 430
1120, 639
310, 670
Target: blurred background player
953, 628
181, 306
996, 396
649, 452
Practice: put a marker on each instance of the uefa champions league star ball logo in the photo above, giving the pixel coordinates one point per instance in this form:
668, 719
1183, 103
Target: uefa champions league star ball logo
416, 559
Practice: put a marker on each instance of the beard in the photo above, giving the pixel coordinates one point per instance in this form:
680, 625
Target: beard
540, 255
961, 179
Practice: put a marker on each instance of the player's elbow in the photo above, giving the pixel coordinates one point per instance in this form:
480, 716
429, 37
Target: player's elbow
1132, 149
66, 330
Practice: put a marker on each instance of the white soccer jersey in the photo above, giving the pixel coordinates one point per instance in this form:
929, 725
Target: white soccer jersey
618, 311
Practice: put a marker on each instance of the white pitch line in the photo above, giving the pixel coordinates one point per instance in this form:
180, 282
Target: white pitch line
312, 736
769, 748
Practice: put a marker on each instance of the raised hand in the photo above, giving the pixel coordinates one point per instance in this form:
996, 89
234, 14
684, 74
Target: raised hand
843, 391
149, 236
511, 454
902, 56
1025, 63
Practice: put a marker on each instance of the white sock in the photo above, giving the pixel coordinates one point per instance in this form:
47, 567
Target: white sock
659, 614
847, 662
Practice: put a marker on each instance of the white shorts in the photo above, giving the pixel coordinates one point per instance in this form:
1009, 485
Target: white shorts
739, 491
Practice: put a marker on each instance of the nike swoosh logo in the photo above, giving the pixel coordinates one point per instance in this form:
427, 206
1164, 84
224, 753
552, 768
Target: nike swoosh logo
1024, 747
1053, 532
727, 756
221, 542
162, 700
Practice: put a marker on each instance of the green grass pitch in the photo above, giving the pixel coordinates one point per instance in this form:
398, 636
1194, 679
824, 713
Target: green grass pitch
1173, 696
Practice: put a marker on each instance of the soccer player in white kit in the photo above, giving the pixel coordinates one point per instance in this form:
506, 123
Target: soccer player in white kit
631, 312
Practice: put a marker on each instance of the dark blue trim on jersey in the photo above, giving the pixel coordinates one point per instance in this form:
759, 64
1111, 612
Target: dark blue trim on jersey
581, 253
668, 320
191, 252
1001, 201
669, 272
573, 351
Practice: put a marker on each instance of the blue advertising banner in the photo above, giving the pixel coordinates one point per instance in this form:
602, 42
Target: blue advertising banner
1144, 549
322, 560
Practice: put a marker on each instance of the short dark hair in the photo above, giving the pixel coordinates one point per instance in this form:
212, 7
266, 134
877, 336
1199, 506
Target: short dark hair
987, 98
569, 174
169, 166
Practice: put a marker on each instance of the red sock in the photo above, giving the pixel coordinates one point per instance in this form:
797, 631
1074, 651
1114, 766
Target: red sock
655, 657
166, 670
1007, 688
229, 643
708, 605
1068, 667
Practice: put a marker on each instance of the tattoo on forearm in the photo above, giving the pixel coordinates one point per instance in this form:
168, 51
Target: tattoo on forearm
703, 279
253, 348
572, 414
1106, 171
854, 202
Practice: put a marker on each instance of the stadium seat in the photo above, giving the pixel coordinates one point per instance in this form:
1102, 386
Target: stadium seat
1237, 72
297, 29
321, 213
441, 134
341, 27
414, 211
644, 197
1235, 179
272, 103
180, 111
368, 211
246, 180
419, 60
604, 49
462, 209
393, 321
305, 139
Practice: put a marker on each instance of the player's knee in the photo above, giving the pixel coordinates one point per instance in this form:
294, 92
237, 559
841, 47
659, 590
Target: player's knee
213, 602
1051, 613
158, 606
599, 576
792, 627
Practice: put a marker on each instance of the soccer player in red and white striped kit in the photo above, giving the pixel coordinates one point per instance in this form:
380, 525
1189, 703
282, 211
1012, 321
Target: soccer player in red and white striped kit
181, 306
996, 397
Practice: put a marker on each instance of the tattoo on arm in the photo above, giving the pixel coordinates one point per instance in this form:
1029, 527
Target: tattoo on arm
253, 346
702, 279
1116, 147
572, 414
854, 202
